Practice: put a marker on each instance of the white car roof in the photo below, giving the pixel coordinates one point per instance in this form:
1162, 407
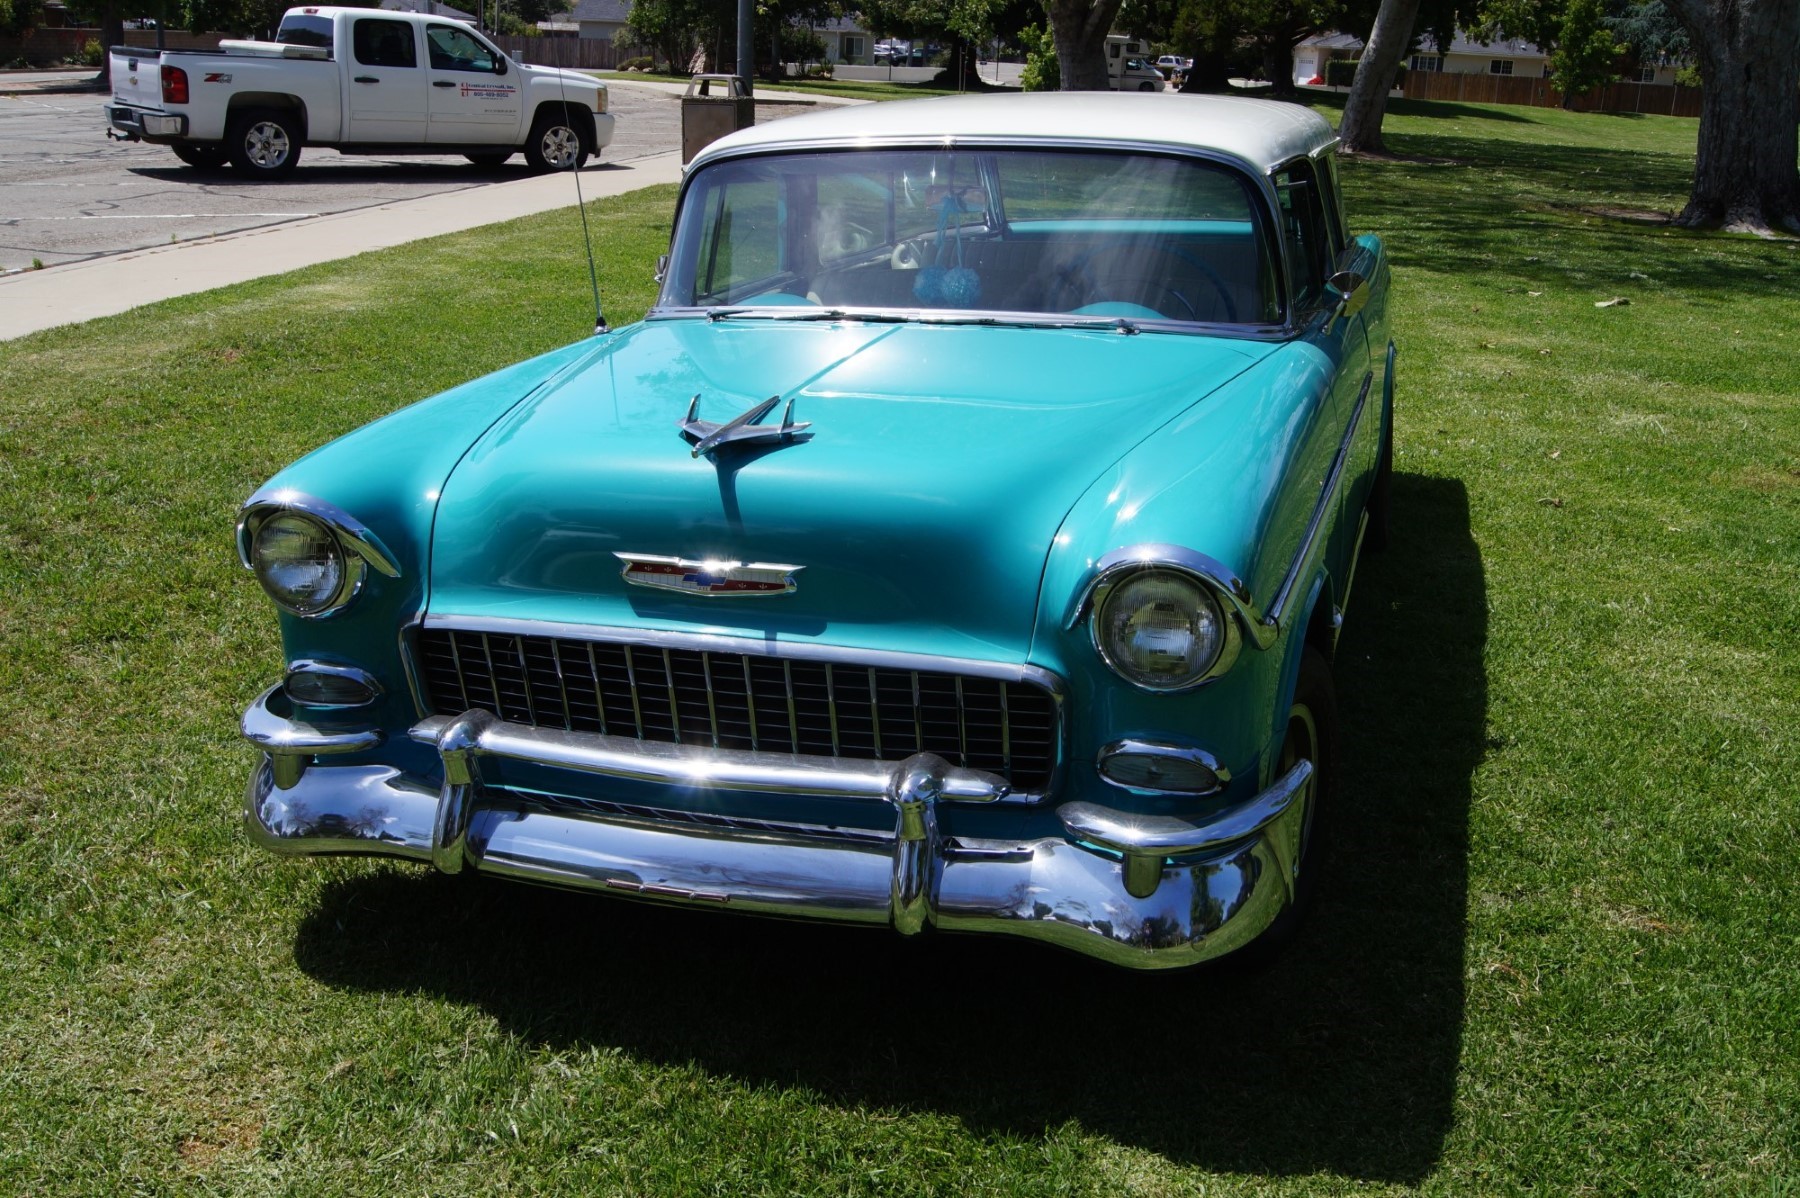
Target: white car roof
1263, 134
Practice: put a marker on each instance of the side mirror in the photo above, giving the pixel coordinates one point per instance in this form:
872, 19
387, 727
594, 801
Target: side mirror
662, 267
500, 64
1351, 290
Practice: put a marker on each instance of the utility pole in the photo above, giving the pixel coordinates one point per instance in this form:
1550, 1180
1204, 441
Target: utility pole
746, 50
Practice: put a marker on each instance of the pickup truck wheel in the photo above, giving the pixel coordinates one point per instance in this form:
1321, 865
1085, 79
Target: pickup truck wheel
555, 144
487, 162
201, 158
263, 143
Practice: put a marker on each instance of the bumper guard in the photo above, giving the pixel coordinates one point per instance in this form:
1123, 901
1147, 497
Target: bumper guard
1138, 891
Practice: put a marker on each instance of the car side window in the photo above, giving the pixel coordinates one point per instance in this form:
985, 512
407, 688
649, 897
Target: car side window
1304, 234
380, 43
738, 240
454, 50
1334, 204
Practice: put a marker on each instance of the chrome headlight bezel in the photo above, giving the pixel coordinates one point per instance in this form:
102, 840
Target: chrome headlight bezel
1217, 586
358, 549
347, 567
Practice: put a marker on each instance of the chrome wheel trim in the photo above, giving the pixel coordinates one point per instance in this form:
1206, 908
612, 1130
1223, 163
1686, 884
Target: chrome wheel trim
266, 145
560, 146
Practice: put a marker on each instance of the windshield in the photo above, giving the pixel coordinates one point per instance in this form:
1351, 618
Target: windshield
1084, 234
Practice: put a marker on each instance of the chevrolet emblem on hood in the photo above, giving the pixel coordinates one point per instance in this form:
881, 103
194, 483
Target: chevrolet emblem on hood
711, 577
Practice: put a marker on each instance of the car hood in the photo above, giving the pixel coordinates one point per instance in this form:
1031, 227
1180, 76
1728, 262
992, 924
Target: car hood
942, 460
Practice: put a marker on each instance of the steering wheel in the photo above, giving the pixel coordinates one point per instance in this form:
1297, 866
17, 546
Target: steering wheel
1212, 277
1072, 286
846, 238
907, 255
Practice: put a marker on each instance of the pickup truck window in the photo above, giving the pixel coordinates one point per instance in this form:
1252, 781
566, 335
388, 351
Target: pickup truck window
380, 43
454, 50
298, 29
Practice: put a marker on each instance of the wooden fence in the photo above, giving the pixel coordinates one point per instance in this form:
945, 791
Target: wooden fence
1659, 98
582, 53
42, 47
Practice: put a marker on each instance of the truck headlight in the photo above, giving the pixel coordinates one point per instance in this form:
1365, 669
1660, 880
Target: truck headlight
1159, 629
301, 564
600, 100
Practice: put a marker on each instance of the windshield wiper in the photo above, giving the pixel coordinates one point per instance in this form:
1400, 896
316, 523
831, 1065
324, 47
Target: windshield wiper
787, 313
1116, 324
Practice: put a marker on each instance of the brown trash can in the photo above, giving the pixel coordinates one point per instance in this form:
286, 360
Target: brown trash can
706, 117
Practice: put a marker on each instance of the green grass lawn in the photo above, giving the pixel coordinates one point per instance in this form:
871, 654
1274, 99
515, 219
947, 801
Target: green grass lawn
1560, 941
855, 89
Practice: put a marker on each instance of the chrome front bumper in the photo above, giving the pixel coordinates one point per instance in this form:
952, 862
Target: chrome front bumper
1142, 892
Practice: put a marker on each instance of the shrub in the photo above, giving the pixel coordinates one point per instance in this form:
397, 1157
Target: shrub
1043, 70
641, 63
1341, 72
91, 53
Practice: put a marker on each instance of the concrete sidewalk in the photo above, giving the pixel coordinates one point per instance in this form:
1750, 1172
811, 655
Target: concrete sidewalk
43, 299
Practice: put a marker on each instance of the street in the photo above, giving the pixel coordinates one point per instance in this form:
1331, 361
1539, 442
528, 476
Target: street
68, 194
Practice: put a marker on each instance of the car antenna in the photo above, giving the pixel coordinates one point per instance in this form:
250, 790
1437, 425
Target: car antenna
586, 237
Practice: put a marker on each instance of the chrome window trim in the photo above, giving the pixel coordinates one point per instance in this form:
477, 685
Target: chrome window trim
704, 642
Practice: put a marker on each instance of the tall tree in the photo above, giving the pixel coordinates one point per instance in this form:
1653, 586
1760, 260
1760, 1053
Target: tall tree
1388, 43
1079, 28
1747, 168
1586, 55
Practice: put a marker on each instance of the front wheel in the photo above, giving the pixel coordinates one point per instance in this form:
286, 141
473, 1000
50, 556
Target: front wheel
556, 144
1147, 86
200, 157
1311, 736
263, 143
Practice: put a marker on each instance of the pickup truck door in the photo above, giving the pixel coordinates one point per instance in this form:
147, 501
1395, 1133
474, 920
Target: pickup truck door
475, 93
386, 99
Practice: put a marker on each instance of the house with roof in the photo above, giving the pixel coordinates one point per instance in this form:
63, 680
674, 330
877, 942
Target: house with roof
430, 8
602, 19
847, 40
1464, 56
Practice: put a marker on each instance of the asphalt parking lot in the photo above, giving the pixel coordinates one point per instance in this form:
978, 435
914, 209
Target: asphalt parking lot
68, 194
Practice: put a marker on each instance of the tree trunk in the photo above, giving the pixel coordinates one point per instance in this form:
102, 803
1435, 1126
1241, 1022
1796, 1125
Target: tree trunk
1079, 28
1746, 176
1361, 126
112, 33
1278, 66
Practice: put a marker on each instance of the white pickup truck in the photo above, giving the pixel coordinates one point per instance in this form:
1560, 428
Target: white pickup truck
362, 81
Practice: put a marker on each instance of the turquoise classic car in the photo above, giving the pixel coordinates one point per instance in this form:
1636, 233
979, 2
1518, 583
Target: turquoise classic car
960, 542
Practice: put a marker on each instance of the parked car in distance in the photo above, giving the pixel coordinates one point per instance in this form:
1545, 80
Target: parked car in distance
959, 542
362, 81
1171, 65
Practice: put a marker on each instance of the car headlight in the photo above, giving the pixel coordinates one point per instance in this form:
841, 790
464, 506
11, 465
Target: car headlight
1159, 629
302, 564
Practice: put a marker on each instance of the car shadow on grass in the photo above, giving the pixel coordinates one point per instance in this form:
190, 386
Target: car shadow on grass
1341, 1057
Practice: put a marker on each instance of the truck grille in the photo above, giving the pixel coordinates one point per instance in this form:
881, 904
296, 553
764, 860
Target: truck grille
744, 701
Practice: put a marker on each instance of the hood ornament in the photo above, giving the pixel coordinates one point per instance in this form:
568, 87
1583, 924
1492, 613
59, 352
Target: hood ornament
708, 436
712, 578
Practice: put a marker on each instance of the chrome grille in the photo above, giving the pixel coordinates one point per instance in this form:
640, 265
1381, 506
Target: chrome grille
744, 701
